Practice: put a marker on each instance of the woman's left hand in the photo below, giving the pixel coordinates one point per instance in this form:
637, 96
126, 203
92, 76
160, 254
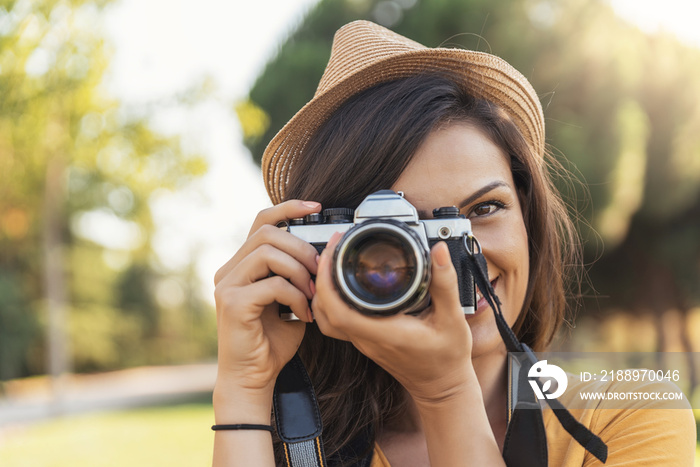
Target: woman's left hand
429, 354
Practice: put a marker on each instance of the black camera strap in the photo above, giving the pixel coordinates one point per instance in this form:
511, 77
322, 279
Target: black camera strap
524, 419
298, 418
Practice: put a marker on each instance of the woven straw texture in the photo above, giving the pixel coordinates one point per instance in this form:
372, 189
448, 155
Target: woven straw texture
365, 54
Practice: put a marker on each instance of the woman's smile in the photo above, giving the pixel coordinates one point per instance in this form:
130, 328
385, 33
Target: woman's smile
481, 302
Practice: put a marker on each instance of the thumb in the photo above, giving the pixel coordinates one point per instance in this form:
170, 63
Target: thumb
444, 292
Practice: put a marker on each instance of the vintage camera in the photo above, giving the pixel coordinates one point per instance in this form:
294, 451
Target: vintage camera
381, 265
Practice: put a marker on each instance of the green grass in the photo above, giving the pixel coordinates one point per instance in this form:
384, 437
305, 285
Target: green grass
174, 436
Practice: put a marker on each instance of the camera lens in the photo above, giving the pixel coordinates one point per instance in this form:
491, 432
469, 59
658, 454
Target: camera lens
379, 268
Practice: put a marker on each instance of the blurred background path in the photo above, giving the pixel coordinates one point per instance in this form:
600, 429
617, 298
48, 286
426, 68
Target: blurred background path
34, 399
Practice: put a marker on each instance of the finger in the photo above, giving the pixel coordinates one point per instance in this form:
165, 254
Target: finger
267, 259
302, 251
324, 281
291, 209
324, 326
444, 292
326, 299
269, 218
258, 295
277, 289
326, 256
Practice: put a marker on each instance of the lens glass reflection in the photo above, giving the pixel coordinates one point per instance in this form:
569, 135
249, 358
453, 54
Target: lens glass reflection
380, 268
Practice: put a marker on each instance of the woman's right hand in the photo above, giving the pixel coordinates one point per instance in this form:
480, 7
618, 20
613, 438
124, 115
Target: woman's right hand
271, 267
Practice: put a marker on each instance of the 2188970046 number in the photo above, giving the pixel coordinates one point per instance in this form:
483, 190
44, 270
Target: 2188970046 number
640, 375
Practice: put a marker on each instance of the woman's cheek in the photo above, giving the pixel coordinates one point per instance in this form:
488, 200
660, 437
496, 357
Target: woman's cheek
505, 246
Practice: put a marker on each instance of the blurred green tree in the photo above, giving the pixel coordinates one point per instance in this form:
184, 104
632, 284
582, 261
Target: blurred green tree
73, 161
622, 111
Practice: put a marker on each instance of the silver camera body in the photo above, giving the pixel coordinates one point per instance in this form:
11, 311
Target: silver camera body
381, 265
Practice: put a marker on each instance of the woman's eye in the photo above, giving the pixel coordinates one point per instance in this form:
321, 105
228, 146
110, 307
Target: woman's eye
484, 209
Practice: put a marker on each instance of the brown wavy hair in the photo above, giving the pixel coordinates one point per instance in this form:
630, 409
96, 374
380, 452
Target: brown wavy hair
364, 147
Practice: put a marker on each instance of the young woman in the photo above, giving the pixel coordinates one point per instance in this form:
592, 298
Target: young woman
446, 128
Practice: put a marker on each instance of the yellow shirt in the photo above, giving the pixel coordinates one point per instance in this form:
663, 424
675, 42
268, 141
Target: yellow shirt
644, 433
379, 459
641, 435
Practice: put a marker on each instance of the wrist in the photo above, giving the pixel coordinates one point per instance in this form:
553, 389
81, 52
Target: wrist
233, 404
453, 388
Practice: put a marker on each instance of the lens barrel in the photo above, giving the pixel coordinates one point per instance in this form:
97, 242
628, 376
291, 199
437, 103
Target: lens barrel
381, 267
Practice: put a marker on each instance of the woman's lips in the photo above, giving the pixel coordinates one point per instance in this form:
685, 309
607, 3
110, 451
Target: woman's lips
481, 303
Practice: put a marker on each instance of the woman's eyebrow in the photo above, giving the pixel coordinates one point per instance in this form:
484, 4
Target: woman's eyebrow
423, 214
481, 192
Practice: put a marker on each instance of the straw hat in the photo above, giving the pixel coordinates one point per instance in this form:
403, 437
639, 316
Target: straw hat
365, 54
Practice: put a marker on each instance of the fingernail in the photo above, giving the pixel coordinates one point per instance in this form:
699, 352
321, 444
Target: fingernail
311, 204
312, 286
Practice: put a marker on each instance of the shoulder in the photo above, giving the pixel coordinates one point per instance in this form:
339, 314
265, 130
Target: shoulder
642, 423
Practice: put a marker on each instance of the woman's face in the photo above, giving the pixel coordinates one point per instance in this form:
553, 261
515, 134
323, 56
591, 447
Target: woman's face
458, 165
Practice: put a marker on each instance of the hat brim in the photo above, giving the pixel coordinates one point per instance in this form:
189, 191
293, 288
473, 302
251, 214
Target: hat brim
482, 75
